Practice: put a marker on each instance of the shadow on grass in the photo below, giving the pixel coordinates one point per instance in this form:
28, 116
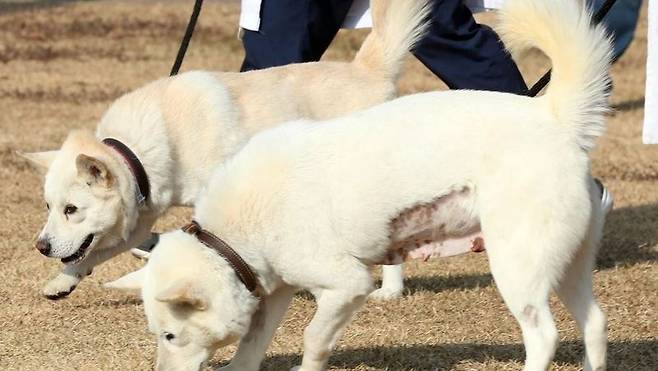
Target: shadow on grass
434, 284
128, 301
630, 236
633, 355
442, 283
123, 302
629, 105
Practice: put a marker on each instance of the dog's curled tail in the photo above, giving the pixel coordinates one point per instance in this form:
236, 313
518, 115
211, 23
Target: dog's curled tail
397, 26
580, 54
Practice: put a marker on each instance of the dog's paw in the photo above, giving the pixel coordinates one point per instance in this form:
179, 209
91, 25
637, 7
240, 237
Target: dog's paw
141, 254
143, 251
60, 287
386, 293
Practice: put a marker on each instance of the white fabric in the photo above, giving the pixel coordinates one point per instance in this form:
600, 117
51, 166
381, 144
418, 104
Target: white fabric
357, 17
481, 5
250, 14
650, 132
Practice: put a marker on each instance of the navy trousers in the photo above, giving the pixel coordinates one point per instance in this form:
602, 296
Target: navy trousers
463, 53
621, 22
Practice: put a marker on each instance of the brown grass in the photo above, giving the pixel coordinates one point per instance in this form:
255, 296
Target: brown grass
60, 67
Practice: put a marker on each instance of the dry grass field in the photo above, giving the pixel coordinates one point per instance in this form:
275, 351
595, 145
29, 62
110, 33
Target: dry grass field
62, 64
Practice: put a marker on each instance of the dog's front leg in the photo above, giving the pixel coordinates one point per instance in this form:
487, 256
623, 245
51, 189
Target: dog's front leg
69, 278
392, 283
335, 310
264, 323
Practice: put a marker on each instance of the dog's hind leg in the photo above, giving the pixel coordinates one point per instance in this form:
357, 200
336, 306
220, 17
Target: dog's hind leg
575, 291
525, 289
392, 283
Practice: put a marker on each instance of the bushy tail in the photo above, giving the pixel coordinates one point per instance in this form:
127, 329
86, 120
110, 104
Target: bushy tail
580, 54
397, 26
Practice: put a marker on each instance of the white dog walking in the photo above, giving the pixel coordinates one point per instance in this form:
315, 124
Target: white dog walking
314, 206
156, 147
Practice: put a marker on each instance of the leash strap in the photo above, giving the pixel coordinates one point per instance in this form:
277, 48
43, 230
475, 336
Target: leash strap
186, 38
135, 166
597, 18
245, 274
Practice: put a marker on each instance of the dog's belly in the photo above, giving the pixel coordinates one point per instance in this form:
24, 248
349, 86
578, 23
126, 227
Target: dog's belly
445, 226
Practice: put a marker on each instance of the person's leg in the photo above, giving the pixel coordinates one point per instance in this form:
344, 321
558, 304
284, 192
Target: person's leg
293, 31
621, 22
465, 54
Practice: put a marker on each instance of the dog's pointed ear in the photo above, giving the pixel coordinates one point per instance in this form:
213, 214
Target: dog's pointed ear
93, 170
132, 281
40, 160
184, 293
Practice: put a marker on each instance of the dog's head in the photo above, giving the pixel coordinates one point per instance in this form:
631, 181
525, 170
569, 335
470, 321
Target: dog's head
194, 301
87, 204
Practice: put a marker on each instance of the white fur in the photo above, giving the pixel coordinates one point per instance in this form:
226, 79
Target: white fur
310, 206
182, 127
576, 81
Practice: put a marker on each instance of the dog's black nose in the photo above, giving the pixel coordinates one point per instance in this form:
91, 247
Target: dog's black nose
43, 246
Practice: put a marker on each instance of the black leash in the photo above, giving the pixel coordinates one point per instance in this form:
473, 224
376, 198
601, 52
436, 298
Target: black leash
598, 17
186, 38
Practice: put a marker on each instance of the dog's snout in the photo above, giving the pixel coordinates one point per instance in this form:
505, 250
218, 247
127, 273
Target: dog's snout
43, 246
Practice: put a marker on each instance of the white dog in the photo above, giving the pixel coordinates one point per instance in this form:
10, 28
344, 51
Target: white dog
314, 206
105, 196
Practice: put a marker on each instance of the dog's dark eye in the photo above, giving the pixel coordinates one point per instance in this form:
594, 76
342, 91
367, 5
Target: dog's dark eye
70, 209
169, 336
47, 206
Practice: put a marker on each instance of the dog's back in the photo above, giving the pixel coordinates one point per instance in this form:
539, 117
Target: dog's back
327, 89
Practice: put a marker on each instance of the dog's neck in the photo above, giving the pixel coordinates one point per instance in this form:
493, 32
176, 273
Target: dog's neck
251, 253
241, 268
129, 189
159, 196
180, 129
143, 188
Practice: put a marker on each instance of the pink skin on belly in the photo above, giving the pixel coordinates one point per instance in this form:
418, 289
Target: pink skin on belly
443, 227
450, 247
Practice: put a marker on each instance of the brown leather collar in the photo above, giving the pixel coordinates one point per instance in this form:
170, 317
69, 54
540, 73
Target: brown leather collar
245, 274
135, 166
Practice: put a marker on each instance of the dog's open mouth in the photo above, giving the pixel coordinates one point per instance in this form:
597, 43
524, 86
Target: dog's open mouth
78, 255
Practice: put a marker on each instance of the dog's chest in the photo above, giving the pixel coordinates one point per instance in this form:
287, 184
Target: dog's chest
445, 226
